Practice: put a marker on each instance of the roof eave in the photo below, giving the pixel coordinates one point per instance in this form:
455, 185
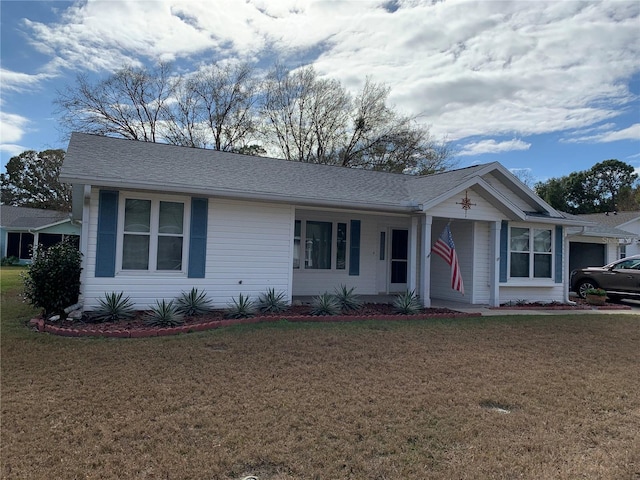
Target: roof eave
243, 195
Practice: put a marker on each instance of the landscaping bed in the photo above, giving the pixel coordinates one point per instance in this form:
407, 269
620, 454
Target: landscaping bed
580, 304
138, 326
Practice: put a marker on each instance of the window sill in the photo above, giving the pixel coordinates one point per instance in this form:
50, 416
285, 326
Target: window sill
521, 282
147, 273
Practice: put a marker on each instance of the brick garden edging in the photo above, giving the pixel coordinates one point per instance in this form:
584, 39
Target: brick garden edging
41, 326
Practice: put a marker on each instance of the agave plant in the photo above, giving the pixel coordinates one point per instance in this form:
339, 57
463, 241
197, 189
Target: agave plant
241, 308
325, 304
347, 300
193, 303
272, 302
407, 303
164, 314
113, 308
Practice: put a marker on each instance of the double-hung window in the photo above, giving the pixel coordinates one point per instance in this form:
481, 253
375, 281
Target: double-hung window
153, 235
531, 252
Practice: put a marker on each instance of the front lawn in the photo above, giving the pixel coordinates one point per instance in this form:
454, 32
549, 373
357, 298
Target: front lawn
496, 397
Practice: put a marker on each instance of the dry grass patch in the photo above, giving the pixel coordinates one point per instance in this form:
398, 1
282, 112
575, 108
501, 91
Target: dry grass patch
366, 400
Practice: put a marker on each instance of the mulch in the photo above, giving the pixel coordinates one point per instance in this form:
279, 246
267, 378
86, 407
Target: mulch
137, 327
580, 304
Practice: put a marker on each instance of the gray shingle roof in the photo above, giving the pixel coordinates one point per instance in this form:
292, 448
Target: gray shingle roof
25, 218
119, 163
611, 219
600, 229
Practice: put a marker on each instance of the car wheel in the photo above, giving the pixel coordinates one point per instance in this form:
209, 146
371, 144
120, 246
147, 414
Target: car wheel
583, 286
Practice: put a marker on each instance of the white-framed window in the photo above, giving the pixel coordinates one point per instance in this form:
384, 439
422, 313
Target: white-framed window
530, 252
152, 234
622, 251
324, 245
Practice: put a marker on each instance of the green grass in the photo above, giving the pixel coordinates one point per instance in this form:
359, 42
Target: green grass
14, 311
284, 401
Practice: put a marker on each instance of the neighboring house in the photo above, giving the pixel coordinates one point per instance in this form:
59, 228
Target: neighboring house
21, 228
160, 219
628, 222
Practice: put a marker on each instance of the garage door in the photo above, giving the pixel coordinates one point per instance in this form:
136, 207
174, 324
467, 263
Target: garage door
585, 255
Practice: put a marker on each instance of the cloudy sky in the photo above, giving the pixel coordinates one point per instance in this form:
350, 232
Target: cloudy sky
548, 87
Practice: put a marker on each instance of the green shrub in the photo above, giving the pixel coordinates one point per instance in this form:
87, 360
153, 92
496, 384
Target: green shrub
347, 300
407, 303
164, 314
272, 302
52, 281
325, 304
193, 303
9, 261
114, 308
242, 308
598, 292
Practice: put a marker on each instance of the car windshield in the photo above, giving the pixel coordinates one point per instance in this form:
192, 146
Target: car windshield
626, 264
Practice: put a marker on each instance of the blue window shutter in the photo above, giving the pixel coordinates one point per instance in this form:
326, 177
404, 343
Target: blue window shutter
558, 253
107, 233
198, 237
504, 250
354, 249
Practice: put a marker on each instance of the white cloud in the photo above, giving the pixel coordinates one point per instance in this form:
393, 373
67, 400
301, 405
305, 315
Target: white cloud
17, 81
12, 149
468, 68
11, 127
630, 133
491, 146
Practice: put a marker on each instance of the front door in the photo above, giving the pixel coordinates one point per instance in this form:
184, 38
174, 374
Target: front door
399, 259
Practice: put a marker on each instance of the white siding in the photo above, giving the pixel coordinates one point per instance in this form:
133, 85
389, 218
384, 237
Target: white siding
248, 251
463, 237
634, 227
452, 208
481, 268
550, 293
314, 282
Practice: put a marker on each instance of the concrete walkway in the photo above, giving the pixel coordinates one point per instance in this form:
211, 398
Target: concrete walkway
485, 310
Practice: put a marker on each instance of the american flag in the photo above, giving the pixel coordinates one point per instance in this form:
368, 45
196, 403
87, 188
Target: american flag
447, 250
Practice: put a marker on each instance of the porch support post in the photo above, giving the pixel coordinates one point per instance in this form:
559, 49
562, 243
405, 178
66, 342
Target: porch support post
425, 271
412, 281
494, 264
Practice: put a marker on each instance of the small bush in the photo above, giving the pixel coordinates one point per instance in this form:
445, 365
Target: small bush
272, 302
113, 308
9, 261
407, 303
164, 314
52, 281
347, 300
242, 308
599, 292
325, 304
193, 303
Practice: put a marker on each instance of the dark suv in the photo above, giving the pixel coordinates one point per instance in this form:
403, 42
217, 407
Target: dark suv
620, 279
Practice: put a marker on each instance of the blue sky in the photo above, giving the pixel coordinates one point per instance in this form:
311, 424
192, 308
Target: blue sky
547, 88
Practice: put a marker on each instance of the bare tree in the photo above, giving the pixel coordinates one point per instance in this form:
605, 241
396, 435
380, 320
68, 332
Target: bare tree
301, 116
214, 108
130, 103
309, 119
304, 116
